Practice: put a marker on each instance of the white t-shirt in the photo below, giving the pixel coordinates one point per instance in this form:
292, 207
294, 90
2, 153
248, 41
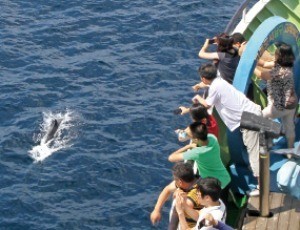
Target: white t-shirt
229, 102
218, 212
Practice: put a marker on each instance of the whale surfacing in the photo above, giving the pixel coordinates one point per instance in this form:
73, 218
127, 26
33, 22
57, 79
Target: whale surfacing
51, 132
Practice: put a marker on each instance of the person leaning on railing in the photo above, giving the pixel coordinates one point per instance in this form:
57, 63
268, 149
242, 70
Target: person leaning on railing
184, 180
198, 113
208, 193
230, 104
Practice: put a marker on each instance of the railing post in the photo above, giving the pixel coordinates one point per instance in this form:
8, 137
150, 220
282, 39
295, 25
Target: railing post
264, 175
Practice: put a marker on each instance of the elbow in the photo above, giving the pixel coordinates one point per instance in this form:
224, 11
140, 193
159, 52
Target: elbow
257, 73
175, 159
170, 159
200, 54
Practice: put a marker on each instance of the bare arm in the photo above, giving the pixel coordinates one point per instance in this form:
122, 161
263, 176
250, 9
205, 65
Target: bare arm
178, 154
194, 214
265, 75
200, 100
155, 216
182, 221
266, 64
184, 110
198, 86
207, 55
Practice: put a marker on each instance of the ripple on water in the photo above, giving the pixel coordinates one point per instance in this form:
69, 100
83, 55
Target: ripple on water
122, 67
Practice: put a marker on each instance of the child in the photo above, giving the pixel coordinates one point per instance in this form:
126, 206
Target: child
198, 113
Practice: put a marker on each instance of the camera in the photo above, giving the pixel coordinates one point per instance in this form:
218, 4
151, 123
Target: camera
212, 41
177, 111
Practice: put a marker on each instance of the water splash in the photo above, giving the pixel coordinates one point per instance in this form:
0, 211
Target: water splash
62, 138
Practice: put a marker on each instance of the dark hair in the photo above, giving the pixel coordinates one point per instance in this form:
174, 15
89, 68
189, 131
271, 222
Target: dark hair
198, 130
198, 112
184, 171
225, 44
238, 38
284, 56
208, 71
210, 186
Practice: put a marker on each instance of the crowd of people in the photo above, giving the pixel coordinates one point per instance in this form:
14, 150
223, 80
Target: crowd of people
198, 197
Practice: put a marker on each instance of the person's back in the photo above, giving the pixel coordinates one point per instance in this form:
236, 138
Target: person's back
209, 160
226, 57
227, 65
282, 80
207, 154
229, 102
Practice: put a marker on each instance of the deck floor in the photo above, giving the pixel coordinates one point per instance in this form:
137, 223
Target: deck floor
285, 210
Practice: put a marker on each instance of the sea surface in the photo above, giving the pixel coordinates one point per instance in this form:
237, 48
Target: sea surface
115, 71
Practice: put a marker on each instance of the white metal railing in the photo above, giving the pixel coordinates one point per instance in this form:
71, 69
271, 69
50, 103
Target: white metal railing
241, 11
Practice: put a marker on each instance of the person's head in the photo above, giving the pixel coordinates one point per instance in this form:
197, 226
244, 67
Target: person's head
284, 55
225, 43
197, 131
209, 190
198, 112
183, 174
238, 39
207, 72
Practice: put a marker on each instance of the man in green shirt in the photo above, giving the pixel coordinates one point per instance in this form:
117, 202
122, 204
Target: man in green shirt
205, 151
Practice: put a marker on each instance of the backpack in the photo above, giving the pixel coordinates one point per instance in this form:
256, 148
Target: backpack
288, 178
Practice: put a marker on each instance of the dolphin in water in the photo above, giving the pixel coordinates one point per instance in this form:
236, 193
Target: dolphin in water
51, 132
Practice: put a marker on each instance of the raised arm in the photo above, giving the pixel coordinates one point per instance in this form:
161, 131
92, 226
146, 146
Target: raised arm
207, 55
181, 207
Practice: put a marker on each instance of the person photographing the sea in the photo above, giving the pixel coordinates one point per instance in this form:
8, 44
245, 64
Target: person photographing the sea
226, 57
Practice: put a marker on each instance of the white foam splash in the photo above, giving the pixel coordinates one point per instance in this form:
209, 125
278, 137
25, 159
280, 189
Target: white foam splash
62, 137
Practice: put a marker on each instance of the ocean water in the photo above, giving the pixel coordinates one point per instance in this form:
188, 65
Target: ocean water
117, 70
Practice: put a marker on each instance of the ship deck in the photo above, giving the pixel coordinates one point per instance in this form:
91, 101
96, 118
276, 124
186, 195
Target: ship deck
284, 209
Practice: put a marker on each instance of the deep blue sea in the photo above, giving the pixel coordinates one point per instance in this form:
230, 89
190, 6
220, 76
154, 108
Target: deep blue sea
117, 69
